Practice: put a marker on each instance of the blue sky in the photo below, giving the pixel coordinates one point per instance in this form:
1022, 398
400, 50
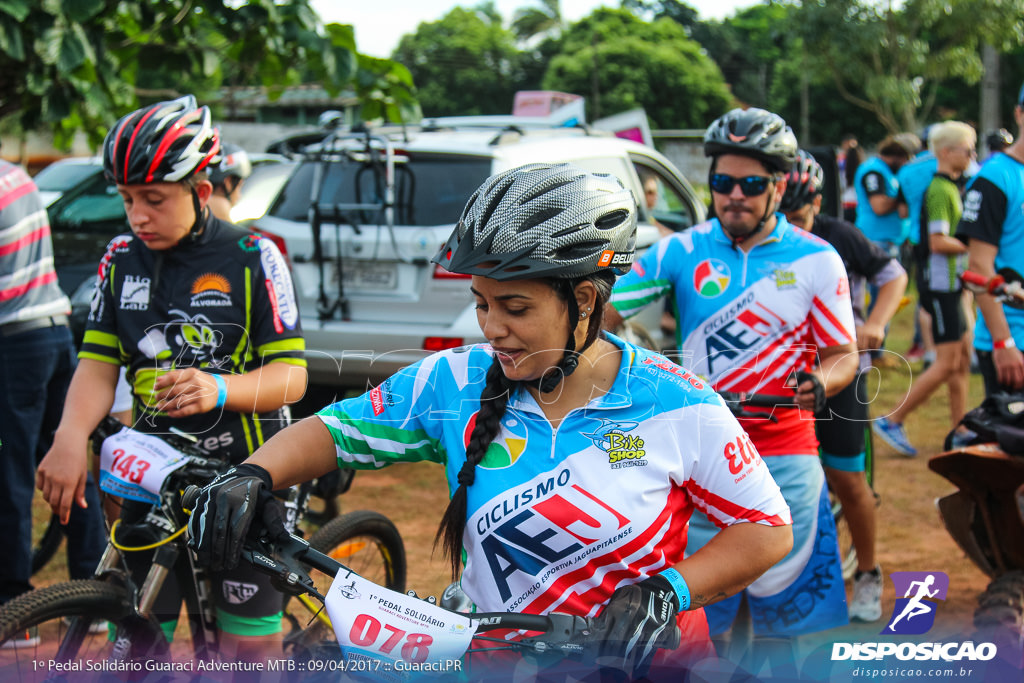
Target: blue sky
380, 24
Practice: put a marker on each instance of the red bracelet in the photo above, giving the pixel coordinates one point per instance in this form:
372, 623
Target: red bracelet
1007, 343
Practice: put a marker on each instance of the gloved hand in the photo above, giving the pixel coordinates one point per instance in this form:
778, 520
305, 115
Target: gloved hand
818, 391
639, 619
225, 511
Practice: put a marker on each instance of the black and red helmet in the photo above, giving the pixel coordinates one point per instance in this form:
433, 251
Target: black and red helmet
163, 143
753, 133
803, 183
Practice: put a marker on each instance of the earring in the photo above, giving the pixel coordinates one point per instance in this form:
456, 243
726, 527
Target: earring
583, 315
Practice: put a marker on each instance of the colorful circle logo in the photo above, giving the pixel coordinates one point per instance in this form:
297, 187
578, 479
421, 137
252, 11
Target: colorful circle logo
711, 277
507, 446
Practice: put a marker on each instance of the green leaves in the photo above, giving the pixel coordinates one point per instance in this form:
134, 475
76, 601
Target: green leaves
81, 64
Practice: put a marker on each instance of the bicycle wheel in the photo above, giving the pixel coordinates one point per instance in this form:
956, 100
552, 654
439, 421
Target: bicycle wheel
52, 614
999, 617
49, 542
368, 543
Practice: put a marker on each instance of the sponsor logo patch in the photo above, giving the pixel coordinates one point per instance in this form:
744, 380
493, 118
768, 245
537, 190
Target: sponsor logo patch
135, 293
711, 278
210, 289
236, 592
279, 286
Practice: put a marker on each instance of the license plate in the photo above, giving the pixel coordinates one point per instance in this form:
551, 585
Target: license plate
370, 275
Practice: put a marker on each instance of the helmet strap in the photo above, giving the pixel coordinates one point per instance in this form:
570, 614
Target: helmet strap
570, 359
769, 211
200, 222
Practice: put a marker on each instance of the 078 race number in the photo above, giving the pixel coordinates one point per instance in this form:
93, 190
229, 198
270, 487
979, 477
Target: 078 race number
367, 632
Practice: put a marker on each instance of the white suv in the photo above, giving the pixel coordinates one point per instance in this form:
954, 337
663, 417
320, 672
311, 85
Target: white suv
362, 215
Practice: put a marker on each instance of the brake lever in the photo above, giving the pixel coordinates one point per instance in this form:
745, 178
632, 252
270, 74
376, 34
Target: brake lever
574, 631
261, 552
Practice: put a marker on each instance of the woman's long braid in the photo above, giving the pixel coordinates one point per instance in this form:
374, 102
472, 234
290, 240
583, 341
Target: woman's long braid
493, 401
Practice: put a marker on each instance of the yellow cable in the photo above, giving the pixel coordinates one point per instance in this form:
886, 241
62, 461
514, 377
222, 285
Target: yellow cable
126, 549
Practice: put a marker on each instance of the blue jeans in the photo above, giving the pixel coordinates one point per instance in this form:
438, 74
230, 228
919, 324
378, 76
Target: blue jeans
35, 371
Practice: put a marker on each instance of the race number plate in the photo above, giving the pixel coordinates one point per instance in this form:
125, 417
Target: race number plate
135, 465
374, 622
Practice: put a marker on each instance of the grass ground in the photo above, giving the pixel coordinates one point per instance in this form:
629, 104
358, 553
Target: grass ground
910, 538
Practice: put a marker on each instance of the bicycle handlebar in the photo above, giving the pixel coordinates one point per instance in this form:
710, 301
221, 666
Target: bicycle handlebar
738, 402
283, 559
1006, 286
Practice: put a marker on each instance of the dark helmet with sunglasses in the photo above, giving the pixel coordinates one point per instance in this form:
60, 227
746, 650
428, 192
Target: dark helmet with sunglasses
757, 134
753, 133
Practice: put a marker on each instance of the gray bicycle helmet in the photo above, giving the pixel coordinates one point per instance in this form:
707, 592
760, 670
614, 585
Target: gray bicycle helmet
234, 164
544, 220
803, 183
754, 133
162, 143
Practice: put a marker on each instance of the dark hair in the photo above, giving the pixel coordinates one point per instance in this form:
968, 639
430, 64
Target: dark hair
494, 400
854, 157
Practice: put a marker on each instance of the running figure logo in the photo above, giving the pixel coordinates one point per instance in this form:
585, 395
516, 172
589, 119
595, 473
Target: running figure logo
914, 613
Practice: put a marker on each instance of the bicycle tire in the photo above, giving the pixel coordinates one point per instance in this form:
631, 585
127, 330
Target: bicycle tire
52, 611
342, 539
999, 617
368, 543
48, 544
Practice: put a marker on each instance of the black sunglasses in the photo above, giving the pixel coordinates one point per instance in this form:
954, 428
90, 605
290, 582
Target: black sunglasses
750, 186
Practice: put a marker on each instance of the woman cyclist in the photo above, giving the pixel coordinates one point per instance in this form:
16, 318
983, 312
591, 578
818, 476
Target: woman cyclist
204, 317
574, 459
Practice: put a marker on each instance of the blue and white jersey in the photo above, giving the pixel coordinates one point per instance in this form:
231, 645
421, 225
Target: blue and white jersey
875, 177
745, 321
560, 518
994, 213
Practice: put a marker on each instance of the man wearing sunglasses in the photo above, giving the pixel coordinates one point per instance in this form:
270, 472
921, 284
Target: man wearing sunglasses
761, 307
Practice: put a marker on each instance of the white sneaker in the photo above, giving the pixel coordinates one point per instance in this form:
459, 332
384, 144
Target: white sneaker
866, 604
95, 628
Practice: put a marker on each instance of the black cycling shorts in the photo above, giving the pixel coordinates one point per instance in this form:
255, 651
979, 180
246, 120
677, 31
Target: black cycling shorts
840, 426
949, 323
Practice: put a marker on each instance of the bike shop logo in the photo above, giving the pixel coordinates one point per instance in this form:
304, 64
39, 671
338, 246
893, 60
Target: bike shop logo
623, 449
918, 597
914, 613
711, 278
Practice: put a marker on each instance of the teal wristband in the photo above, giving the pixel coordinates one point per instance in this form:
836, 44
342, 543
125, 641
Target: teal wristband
222, 391
675, 579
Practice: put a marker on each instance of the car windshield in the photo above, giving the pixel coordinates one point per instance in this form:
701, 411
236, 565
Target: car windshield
59, 177
430, 189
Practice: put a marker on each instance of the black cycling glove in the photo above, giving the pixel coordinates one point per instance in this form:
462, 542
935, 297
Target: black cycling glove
636, 622
819, 389
225, 511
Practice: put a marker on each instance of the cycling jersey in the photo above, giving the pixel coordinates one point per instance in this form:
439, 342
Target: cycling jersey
914, 178
992, 213
874, 177
940, 215
746, 321
223, 302
557, 519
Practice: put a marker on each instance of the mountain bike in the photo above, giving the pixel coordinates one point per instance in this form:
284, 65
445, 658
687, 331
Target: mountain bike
148, 548
384, 634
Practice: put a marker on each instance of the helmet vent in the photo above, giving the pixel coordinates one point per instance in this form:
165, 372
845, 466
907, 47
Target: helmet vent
611, 220
546, 189
540, 217
578, 251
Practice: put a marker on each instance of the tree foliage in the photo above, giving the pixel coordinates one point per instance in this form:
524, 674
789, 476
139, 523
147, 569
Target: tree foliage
79, 64
620, 62
891, 61
464, 63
